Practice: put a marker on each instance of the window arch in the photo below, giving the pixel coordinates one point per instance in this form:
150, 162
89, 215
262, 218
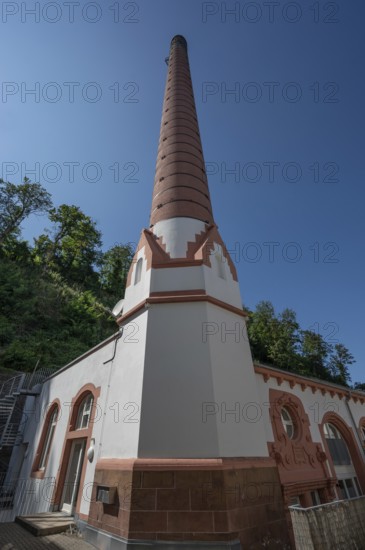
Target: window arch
83, 408
336, 445
46, 439
84, 412
138, 274
344, 457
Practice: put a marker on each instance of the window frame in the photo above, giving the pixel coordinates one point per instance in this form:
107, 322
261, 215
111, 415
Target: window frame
84, 410
288, 422
46, 440
344, 484
337, 445
138, 272
46, 447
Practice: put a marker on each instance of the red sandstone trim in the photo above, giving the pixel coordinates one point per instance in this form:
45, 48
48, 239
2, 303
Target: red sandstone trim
198, 252
301, 462
184, 262
72, 434
177, 293
362, 422
163, 464
195, 298
348, 435
295, 379
178, 297
36, 472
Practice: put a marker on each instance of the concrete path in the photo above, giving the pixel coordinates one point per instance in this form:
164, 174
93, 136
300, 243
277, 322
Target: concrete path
14, 537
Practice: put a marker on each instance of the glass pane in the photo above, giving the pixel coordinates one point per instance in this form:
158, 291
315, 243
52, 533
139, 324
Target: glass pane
289, 430
350, 488
342, 490
48, 440
83, 416
358, 488
287, 422
339, 452
138, 274
72, 480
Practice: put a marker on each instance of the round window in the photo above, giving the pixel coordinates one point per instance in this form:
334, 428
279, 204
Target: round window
288, 423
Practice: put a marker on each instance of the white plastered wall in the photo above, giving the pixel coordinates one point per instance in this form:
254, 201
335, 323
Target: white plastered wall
136, 293
177, 233
120, 381
187, 375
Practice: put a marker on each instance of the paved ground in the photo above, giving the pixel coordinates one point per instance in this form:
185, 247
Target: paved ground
14, 537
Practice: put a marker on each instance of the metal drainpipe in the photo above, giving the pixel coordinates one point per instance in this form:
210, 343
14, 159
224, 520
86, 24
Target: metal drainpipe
111, 361
354, 424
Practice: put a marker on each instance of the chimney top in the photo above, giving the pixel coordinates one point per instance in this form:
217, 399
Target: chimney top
179, 39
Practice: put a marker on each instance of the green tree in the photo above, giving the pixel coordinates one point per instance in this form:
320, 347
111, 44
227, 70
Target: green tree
338, 364
283, 349
114, 267
315, 351
261, 330
17, 202
72, 247
43, 318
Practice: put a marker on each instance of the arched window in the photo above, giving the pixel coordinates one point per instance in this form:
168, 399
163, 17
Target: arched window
337, 441
84, 412
336, 445
52, 423
45, 443
288, 423
138, 273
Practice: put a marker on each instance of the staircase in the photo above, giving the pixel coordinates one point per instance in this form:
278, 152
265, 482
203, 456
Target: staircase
11, 405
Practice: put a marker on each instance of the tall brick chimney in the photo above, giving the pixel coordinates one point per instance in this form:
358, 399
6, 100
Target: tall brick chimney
181, 186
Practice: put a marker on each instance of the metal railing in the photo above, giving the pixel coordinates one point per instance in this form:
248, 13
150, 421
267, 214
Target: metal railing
12, 385
10, 419
24, 496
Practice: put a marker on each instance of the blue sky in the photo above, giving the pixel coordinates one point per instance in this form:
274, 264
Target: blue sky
292, 214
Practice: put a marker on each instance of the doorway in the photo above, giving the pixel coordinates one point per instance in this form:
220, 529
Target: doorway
73, 475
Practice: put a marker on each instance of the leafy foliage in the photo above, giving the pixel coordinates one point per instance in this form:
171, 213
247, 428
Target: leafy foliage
114, 267
278, 340
54, 302
55, 296
72, 248
17, 202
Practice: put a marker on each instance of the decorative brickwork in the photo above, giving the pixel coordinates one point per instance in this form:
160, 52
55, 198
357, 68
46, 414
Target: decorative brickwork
181, 186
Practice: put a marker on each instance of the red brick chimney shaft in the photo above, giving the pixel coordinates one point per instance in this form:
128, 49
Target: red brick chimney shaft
181, 187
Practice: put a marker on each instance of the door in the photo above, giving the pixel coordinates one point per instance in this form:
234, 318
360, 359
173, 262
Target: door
73, 474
